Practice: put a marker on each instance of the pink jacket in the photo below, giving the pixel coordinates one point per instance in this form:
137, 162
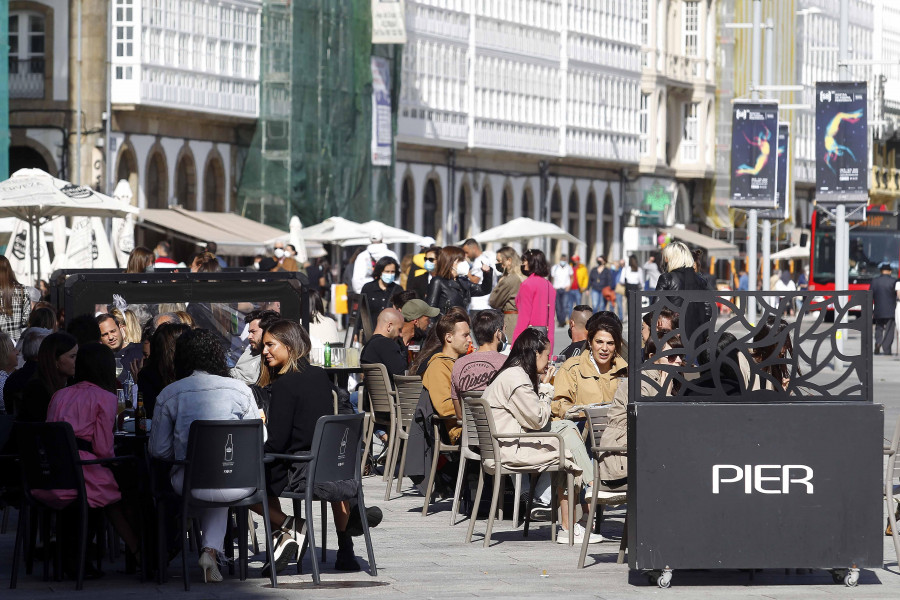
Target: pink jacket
536, 303
91, 411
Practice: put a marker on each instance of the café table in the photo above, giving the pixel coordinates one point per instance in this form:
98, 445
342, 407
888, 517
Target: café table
340, 376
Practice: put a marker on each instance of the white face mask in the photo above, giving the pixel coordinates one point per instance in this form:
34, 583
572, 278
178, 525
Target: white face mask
462, 268
279, 252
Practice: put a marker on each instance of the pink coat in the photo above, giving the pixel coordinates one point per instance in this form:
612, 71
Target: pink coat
91, 411
536, 303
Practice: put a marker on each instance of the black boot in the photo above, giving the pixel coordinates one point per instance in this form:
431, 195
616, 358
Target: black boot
345, 560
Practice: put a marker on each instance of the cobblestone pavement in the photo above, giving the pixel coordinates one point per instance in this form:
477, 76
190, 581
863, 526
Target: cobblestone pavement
427, 558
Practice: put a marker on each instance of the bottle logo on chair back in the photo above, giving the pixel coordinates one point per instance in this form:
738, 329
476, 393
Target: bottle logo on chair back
342, 451
229, 455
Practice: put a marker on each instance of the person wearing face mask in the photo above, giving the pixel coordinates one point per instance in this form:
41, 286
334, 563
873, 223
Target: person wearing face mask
451, 285
503, 297
379, 291
285, 257
601, 283
421, 274
364, 264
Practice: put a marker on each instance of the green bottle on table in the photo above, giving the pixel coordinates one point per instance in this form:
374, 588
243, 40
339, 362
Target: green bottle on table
327, 355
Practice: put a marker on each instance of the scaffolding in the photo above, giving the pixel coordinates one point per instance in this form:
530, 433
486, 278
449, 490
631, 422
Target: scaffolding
310, 154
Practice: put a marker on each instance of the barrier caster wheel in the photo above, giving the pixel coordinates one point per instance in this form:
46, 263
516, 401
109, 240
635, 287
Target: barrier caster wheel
851, 579
837, 575
663, 578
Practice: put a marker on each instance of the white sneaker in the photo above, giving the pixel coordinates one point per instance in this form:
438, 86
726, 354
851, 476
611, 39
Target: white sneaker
562, 536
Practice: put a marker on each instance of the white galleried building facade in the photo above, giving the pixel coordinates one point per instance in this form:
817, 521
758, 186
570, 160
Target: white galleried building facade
183, 89
561, 110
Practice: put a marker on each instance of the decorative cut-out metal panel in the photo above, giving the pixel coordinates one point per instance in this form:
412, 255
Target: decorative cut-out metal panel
701, 346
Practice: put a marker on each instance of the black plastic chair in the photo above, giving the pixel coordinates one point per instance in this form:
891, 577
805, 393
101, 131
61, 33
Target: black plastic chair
49, 459
212, 464
336, 455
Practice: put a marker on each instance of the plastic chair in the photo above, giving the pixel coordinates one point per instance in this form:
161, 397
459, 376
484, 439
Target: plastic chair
466, 442
382, 400
440, 447
210, 465
335, 455
892, 486
49, 459
597, 420
409, 388
7, 463
489, 448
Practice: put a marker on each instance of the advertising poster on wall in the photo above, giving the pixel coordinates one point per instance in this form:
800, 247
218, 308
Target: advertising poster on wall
782, 210
382, 142
754, 130
842, 145
388, 22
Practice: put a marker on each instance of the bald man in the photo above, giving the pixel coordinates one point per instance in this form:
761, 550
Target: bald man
577, 331
383, 347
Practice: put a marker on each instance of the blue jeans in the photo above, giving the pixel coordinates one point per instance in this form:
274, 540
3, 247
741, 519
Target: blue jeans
598, 302
562, 312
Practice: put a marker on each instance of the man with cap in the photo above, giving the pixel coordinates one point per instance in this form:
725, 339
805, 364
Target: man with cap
417, 315
365, 262
884, 296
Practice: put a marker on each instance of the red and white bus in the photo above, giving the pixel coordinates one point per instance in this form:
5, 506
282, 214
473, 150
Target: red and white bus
873, 242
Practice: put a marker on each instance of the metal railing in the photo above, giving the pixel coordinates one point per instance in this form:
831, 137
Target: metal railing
26, 77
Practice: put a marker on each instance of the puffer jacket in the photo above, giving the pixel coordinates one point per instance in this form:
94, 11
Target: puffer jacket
444, 294
697, 313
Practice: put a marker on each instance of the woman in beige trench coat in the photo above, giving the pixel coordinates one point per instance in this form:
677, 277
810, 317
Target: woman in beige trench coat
520, 404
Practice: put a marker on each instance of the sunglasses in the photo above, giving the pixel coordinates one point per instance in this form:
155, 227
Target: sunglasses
674, 357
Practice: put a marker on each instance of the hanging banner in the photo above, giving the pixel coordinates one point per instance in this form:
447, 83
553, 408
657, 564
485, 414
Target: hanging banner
382, 142
842, 143
388, 22
782, 211
754, 127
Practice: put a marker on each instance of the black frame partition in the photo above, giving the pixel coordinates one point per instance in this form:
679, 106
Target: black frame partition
80, 291
763, 449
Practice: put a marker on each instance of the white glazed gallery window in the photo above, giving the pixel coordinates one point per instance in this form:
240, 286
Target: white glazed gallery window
690, 27
124, 32
644, 123
645, 22
689, 144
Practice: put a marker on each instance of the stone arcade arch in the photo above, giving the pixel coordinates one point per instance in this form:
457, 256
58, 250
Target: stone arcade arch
156, 184
186, 180
607, 224
127, 169
214, 186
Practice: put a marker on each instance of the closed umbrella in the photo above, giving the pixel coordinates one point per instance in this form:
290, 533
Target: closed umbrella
35, 196
297, 239
123, 229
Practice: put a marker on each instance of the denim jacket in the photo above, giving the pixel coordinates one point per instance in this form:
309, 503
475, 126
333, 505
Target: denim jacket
200, 396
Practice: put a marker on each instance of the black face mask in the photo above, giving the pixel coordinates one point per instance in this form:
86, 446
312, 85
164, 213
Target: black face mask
499, 267
569, 331
526, 271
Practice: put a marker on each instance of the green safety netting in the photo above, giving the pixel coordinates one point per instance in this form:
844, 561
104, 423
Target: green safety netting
310, 154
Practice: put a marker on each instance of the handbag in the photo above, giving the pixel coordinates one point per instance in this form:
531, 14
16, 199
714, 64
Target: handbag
620, 289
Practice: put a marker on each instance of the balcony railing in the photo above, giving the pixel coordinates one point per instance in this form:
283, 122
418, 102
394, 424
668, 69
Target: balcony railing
26, 77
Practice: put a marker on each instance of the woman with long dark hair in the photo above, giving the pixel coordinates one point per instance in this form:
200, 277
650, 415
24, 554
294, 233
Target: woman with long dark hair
519, 396
299, 393
90, 407
383, 286
536, 300
15, 306
451, 285
159, 369
203, 391
56, 364
593, 376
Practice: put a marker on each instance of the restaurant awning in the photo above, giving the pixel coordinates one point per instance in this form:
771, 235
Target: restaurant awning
715, 248
235, 235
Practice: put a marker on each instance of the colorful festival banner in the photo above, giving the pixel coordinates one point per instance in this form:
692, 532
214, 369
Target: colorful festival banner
842, 143
754, 128
782, 191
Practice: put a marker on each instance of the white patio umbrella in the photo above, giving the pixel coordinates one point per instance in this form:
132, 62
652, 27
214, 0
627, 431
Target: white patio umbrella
389, 235
334, 230
35, 196
297, 241
123, 229
524, 228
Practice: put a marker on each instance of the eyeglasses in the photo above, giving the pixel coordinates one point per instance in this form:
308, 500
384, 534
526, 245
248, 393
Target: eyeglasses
674, 358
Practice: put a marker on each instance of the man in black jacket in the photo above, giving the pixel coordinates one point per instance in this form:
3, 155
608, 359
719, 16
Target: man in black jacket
884, 295
382, 347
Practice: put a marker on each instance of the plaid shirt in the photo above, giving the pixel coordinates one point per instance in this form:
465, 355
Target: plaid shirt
15, 323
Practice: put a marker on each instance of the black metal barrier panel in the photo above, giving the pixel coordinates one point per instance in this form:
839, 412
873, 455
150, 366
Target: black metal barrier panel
752, 443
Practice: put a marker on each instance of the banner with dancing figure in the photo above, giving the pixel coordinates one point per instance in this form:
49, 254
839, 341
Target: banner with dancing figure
754, 132
782, 210
842, 143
